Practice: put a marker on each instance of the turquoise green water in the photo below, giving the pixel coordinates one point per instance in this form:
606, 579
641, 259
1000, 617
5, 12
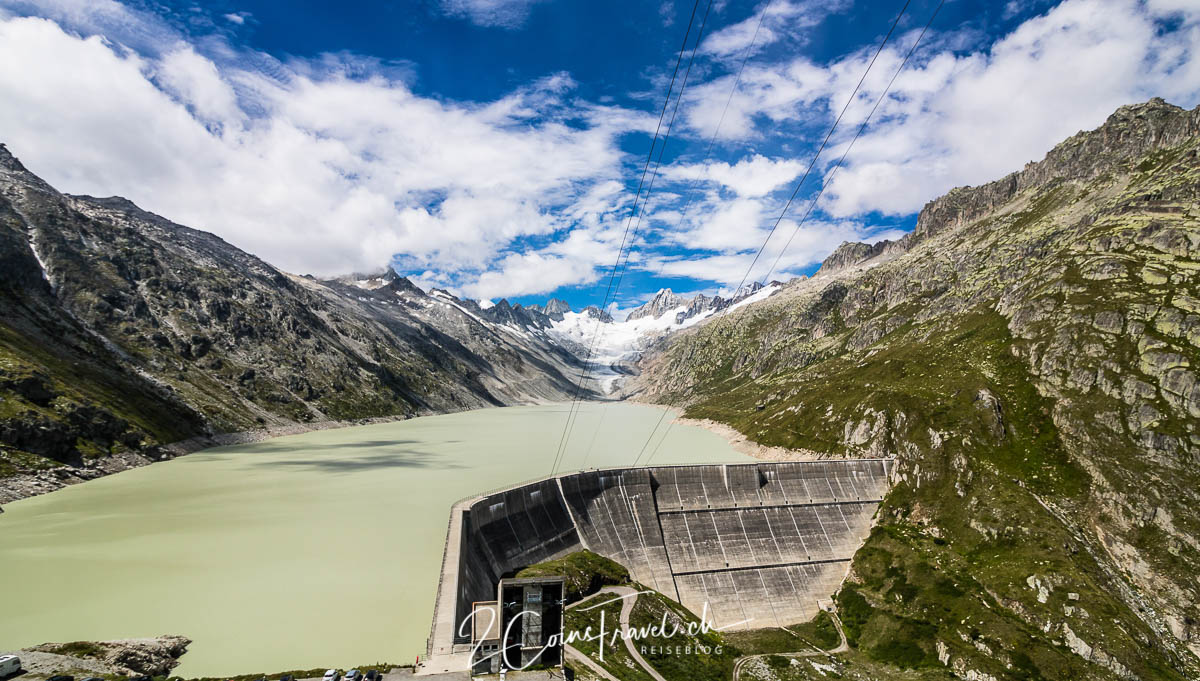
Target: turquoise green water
313, 550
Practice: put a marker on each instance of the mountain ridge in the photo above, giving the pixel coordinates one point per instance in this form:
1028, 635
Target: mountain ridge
1128, 132
181, 337
1027, 353
666, 300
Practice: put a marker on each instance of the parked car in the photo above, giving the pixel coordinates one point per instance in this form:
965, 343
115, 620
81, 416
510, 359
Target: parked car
61, 677
93, 678
332, 675
373, 675
9, 665
354, 675
286, 677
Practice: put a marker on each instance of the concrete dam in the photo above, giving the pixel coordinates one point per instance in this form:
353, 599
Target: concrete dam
760, 543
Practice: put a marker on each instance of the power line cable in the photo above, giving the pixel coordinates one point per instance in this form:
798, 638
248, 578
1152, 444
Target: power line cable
796, 191
696, 182
838, 165
859, 132
832, 128
610, 291
716, 131
645, 202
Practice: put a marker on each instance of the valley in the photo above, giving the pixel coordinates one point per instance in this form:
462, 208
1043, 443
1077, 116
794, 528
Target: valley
1023, 361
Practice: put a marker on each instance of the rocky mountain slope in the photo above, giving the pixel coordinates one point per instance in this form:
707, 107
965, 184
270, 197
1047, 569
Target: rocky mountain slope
122, 332
1029, 354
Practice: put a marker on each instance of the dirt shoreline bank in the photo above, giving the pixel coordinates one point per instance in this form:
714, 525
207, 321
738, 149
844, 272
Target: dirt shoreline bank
739, 441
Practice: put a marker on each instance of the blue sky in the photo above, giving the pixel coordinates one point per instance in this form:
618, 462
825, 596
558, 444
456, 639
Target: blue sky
492, 147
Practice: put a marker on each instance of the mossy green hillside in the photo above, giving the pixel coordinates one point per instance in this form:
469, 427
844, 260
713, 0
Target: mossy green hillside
703, 656
818, 633
964, 580
1029, 358
587, 619
585, 573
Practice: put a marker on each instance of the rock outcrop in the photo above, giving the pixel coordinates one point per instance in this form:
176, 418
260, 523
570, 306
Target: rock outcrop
851, 253
596, 313
154, 657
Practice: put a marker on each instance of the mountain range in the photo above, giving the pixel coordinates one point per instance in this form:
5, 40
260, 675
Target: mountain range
698, 305
126, 338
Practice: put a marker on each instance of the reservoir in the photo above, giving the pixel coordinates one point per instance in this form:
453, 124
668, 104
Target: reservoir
313, 550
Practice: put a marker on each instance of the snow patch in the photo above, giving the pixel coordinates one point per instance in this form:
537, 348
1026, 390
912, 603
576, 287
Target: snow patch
762, 294
41, 263
447, 300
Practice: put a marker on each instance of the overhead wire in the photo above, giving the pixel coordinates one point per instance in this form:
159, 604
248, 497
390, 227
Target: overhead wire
696, 181
857, 134
816, 156
626, 240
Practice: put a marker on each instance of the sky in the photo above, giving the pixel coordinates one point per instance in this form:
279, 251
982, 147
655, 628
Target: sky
495, 148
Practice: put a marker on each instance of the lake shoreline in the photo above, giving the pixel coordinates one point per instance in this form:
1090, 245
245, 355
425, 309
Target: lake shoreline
31, 484
739, 441
304, 528
27, 485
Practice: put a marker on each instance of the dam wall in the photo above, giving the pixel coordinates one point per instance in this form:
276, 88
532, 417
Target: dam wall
755, 545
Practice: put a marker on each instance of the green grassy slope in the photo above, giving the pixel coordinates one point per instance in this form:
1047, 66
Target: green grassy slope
585, 572
1029, 361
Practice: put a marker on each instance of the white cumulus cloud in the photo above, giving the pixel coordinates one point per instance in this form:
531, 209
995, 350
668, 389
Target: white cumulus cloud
314, 169
752, 176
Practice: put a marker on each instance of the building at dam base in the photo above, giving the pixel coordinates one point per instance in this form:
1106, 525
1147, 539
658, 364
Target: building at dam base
753, 545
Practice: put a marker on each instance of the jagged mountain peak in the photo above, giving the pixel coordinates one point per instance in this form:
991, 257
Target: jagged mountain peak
555, 309
1128, 134
516, 315
663, 301
747, 290
8, 161
386, 279
404, 284
596, 313
666, 300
